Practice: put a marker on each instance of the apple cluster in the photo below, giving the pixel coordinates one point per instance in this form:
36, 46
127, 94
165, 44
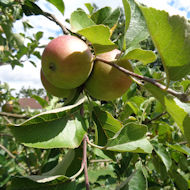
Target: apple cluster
67, 63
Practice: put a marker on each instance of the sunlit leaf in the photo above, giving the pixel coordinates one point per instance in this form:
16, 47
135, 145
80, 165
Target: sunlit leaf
145, 56
59, 4
80, 20
137, 30
131, 138
99, 36
171, 36
62, 127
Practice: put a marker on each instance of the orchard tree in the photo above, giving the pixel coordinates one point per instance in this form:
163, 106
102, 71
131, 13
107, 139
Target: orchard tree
119, 112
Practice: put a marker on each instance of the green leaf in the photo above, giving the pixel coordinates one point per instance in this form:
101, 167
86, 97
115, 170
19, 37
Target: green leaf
171, 36
100, 16
62, 127
99, 36
69, 166
59, 4
127, 10
113, 18
179, 180
89, 7
80, 20
40, 100
145, 56
30, 8
38, 35
19, 39
159, 167
19, 183
163, 154
181, 148
179, 111
137, 30
136, 180
95, 175
106, 121
130, 138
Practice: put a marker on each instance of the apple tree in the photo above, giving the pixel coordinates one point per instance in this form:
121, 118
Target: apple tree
126, 122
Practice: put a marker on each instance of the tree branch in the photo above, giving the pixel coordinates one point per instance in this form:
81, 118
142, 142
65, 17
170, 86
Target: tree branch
182, 96
54, 19
17, 116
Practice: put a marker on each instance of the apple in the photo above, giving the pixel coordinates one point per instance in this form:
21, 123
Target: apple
8, 107
67, 62
55, 91
106, 82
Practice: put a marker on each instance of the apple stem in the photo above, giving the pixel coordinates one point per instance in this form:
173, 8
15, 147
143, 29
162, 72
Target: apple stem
182, 96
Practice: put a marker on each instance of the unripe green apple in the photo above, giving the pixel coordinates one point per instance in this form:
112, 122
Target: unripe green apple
106, 82
67, 62
55, 91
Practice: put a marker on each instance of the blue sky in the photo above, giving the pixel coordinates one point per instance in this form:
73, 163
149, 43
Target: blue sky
29, 76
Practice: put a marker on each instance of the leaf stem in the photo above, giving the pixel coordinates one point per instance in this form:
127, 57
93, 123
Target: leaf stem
182, 96
94, 145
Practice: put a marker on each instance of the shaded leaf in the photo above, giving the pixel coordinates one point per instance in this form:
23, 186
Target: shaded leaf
171, 36
181, 148
30, 8
179, 111
163, 154
136, 180
179, 180
112, 19
19, 183
101, 15
95, 174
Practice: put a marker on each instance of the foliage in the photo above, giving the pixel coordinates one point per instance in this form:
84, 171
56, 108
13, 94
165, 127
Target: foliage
138, 141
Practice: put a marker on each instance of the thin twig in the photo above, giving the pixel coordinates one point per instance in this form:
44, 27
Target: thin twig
182, 96
54, 19
85, 163
12, 156
100, 160
155, 118
7, 151
14, 115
